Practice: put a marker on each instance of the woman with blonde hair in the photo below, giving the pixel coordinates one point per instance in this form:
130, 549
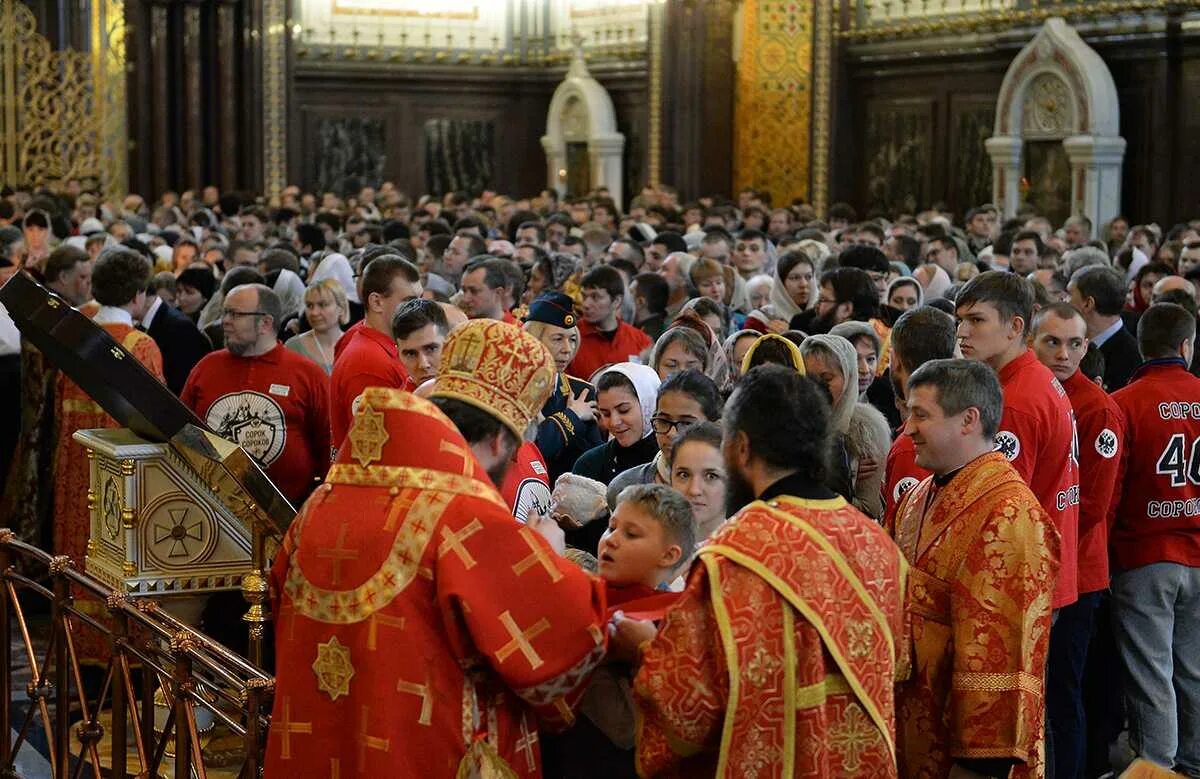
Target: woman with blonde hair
327, 309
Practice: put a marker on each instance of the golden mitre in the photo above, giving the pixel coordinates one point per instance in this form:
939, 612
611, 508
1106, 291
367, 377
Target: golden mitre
498, 368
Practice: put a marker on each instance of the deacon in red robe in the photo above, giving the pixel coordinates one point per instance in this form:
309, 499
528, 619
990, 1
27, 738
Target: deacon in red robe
780, 658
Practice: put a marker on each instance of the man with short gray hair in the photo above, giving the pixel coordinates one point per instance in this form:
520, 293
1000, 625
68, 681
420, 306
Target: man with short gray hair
1098, 293
984, 557
271, 401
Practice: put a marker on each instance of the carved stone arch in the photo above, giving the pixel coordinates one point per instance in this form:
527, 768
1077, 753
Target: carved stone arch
582, 111
1058, 88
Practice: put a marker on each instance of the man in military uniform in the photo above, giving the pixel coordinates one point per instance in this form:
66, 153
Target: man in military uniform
568, 428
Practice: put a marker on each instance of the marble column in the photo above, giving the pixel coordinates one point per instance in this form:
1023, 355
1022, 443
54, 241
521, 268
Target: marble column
1095, 176
1005, 151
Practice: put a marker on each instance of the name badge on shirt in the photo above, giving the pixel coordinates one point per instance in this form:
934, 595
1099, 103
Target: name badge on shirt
282, 390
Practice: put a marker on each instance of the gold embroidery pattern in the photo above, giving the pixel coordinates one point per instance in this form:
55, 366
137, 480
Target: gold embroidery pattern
333, 668
368, 435
418, 478
393, 576
522, 640
285, 726
425, 691
853, 735
813, 695
997, 682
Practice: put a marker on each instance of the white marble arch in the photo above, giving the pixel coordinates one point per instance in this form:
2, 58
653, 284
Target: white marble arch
581, 111
1058, 88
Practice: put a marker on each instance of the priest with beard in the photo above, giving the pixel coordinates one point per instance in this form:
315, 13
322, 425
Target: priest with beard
790, 630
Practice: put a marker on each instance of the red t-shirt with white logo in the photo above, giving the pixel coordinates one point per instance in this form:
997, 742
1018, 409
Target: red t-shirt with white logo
1037, 435
526, 487
901, 474
1158, 515
1100, 428
274, 405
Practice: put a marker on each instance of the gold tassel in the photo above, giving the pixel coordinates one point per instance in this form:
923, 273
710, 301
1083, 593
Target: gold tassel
482, 761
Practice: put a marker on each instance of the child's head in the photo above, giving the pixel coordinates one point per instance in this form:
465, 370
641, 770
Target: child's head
648, 535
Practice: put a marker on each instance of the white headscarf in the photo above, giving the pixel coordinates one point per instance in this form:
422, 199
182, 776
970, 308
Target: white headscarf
645, 384
910, 281
782, 305
844, 354
335, 266
290, 290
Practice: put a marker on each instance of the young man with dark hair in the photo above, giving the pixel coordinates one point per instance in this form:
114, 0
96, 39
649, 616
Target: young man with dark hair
1060, 343
1037, 434
1155, 544
1026, 251
919, 336
872, 261
603, 338
769, 582
844, 294
366, 356
651, 293
420, 328
1098, 292
660, 246
983, 557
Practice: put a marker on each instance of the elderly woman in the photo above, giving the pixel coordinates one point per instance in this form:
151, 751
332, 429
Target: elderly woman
684, 399
327, 311
874, 389
736, 347
862, 434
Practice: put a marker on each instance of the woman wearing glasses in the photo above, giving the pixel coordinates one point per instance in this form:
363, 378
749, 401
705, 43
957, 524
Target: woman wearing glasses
685, 399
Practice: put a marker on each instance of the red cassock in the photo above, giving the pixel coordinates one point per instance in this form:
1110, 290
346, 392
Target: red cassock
421, 630
780, 658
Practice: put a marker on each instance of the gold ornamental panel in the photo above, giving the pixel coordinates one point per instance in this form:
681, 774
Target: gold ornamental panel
63, 111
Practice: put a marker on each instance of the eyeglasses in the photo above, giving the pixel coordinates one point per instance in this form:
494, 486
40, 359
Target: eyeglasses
229, 314
664, 425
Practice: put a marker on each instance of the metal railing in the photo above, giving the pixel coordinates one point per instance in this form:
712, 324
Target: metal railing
152, 655
868, 20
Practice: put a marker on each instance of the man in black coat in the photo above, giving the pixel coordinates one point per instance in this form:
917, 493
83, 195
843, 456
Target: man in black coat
181, 343
1098, 292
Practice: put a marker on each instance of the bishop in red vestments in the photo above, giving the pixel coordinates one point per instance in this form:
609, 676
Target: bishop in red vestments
422, 631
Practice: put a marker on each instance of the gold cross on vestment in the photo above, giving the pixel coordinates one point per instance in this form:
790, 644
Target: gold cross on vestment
339, 553
377, 619
539, 557
367, 435
426, 693
521, 639
853, 736
452, 541
526, 743
286, 727
366, 742
468, 460
398, 504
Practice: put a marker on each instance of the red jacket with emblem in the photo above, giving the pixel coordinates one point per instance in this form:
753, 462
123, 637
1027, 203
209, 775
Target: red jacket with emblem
597, 349
1099, 423
1158, 514
901, 474
1037, 435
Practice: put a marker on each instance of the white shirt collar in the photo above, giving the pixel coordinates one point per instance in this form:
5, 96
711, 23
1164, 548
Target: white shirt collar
1108, 332
111, 315
149, 317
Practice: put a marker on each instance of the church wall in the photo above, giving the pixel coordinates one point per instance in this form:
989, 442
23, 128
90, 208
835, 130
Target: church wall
909, 127
363, 123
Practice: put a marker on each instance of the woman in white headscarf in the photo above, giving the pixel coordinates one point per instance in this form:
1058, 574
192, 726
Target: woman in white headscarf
934, 279
860, 432
796, 283
290, 290
335, 266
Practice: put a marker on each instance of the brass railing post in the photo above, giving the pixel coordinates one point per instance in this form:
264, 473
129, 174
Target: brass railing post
62, 670
6, 671
181, 645
120, 702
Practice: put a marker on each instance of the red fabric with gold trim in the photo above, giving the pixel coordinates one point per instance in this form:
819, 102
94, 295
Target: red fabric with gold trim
984, 556
418, 624
781, 655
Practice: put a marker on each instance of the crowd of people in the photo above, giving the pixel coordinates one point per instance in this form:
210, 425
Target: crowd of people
913, 495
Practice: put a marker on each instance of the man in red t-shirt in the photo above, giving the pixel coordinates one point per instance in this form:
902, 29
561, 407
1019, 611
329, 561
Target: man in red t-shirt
1155, 542
370, 357
270, 400
1060, 341
919, 335
603, 338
